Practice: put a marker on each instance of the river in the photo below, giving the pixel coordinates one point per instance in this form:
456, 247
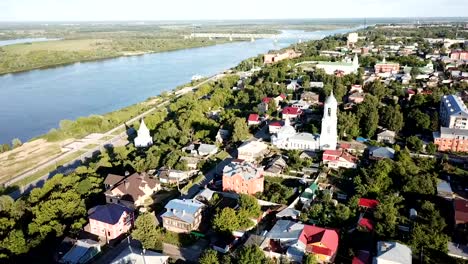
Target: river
24, 40
33, 102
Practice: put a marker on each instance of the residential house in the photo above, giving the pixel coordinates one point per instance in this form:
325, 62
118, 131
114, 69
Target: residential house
276, 166
392, 253
293, 240
339, 159
356, 98
182, 216
310, 97
386, 136
133, 191
386, 67
83, 251
192, 162
451, 139
168, 176
368, 204
366, 224
276, 56
378, 153
253, 119
275, 126
288, 213
461, 211
252, 150
356, 88
201, 149
309, 194
453, 112
318, 85
291, 112
459, 55
223, 135
243, 177
263, 107
110, 221
303, 105
137, 255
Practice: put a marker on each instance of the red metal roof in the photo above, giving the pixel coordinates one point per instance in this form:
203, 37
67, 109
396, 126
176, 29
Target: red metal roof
327, 237
266, 99
276, 124
253, 117
366, 223
369, 203
288, 110
283, 96
333, 155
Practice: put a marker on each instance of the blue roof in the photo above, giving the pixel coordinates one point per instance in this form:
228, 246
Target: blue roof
109, 213
182, 209
382, 152
361, 139
286, 230
444, 186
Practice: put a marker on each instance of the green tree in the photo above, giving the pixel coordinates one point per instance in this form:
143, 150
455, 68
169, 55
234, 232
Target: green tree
392, 118
348, 125
16, 142
418, 120
147, 232
250, 205
209, 256
377, 89
310, 259
368, 115
414, 143
271, 107
251, 255
226, 220
387, 215
240, 130
431, 148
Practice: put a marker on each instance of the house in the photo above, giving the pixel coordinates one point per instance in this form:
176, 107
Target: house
444, 190
276, 56
293, 85
275, 126
386, 67
339, 159
386, 136
223, 135
289, 213
276, 165
366, 224
168, 176
143, 138
378, 153
136, 255
366, 203
356, 98
182, 216
309, 194
293, 240
310, 97
303, 105
291, 112
451, 139
83, 251
253, 119
392, 253
243, 177
453, 112
356, 88
461, 211
201, 149
459, 55
110, 221
252, 150
192, 162
133, 191
353, 147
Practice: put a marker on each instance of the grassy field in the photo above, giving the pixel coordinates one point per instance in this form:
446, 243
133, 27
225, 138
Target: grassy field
27, 156
28, 56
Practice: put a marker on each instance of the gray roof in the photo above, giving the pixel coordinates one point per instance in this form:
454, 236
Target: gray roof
182, 209
206, 148
444, 186
135, 255
393, 251
246, 169
304, 137
457, 107
288, 212
382, 152
446, 132
386, 133
81, 252
285, 230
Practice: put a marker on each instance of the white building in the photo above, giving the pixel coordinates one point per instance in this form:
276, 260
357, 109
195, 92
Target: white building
345, 67
251, 150
287, 138
329, 133
392, 253
143, 138
453, 112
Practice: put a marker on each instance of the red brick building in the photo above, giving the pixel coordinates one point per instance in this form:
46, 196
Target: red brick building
383, 67
459, 55
280, 55
451, 139
243, 177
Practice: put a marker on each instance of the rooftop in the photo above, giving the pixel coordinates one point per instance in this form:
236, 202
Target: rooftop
393, 252
109, 213
454, 105
182, 209
246, 169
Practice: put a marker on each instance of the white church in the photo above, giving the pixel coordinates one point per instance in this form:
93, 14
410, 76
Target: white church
287, 137
143, 138
346, 67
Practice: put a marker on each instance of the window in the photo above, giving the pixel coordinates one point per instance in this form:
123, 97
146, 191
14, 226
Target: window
329, 111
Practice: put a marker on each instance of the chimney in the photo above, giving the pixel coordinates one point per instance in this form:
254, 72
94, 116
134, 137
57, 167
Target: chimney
126, 184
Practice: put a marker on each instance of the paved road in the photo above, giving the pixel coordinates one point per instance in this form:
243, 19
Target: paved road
72, 165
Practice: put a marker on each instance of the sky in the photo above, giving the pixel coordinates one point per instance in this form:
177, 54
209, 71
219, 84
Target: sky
105, 10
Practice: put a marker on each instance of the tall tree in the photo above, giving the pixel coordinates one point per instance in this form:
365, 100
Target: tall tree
240, 130
147, 232
251, 255
209, 256
368, 115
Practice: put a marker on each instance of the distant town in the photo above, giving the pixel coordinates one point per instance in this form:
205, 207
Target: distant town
349, 149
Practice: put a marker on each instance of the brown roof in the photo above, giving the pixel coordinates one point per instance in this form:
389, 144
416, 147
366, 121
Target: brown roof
461, 211
112, 179
132, 186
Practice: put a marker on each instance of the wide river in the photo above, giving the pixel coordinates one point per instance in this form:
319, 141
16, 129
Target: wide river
33, 102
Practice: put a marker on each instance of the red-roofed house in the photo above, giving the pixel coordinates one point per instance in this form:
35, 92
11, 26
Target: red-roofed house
110, 221
291, 112
253, 119
339, 159
368, 203
263, 106
461, 211
275, 126
366, 224
321, 242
